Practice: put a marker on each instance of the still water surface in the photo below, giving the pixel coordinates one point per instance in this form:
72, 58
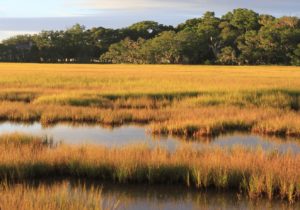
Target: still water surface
127, 135
160, 197
176, 198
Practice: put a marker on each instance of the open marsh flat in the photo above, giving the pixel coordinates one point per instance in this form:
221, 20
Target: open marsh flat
230, 129
177, 100
125, 79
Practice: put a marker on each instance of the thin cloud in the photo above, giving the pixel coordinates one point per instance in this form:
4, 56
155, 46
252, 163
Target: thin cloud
137, 4
121, 13
8, 34
276, 7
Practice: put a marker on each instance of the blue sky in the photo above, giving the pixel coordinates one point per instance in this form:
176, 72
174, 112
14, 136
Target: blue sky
31, 16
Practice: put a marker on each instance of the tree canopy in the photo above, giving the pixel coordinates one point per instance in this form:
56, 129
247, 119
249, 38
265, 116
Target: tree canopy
240, 37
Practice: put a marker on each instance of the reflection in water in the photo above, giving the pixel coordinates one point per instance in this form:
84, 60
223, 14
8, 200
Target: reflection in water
176, 198
87, 134
144, 197
160, 197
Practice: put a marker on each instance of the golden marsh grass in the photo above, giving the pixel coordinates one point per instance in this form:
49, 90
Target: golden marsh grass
176, 99
254, 172
58, 196
140, 79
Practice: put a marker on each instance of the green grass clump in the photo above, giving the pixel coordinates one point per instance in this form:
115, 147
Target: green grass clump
18, 96
246, 99
74, 100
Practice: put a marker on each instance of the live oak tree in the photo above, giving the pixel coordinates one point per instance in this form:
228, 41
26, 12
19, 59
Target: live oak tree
239, 37
296, 56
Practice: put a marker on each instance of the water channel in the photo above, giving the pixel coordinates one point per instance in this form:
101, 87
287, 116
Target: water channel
161, 197
127, 135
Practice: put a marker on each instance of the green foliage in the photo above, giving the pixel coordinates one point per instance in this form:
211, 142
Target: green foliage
227, 56
126, 51
146, 29
168, 47
296, 56
240, 37
164, 49
244, 20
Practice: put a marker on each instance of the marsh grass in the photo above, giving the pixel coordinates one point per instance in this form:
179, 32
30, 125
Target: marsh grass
18, 96
50, 114
188, 101
18, 139
58, 196
185, 122
254, 172
179, 100
212, 121
281, 99
105, 102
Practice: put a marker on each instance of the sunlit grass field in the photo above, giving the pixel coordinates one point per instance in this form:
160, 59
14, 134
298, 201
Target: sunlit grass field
174, 99
142, 79
187, 101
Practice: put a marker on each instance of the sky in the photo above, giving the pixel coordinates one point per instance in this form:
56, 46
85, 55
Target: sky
32, 16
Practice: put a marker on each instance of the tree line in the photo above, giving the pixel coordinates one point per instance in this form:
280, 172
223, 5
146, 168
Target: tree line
240, 37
